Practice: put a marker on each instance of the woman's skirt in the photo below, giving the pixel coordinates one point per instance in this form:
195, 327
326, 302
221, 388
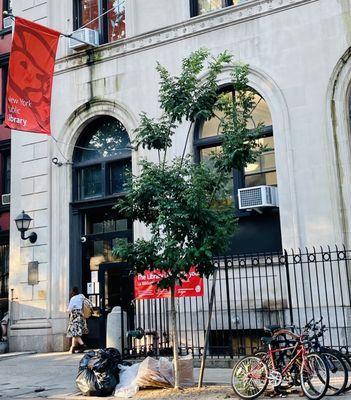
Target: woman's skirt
77, 325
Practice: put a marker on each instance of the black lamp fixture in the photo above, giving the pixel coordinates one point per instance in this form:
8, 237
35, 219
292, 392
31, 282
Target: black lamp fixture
22, 222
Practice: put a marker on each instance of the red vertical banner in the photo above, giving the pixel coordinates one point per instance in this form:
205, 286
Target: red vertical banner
29, 85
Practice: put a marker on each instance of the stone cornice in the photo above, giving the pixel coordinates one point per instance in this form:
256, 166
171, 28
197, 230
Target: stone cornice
233, 15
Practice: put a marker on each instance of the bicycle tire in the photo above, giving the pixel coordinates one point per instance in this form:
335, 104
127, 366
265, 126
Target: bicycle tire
347, 362
348, 366
338, 374
243, 385
312, 368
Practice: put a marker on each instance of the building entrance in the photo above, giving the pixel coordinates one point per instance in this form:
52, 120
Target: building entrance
106, 281
116, 290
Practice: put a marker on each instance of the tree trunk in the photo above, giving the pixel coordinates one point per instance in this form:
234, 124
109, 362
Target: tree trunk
175, 338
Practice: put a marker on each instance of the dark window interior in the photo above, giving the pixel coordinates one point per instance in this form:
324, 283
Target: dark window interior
111, 25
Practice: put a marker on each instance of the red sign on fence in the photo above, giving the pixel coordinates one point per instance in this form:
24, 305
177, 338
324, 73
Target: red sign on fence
145, 288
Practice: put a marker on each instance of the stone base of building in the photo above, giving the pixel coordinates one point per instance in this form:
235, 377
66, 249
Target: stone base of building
36, 336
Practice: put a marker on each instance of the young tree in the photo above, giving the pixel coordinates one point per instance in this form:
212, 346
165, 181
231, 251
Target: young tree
186, 205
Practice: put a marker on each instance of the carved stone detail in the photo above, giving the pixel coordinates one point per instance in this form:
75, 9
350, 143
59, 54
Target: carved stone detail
194, 26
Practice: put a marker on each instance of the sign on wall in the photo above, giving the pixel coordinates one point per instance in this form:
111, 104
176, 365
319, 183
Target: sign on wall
145, 288
31, 67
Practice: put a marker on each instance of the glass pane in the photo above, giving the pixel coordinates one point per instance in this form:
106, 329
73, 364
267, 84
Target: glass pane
255, 180
90, 184
97, 227
98, 255
109, 225
118, 177
105, 222
253, 168
114, 243
116, 20
271, 178
89, 10
105, 137
209, 5
268, 161
211, 127
205, 157
122, 225
205, 154
260, 113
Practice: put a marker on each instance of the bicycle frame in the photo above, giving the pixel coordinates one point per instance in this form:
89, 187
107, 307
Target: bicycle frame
300, 354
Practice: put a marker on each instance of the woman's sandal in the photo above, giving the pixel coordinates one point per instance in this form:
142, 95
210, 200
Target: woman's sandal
73, 349
81, 348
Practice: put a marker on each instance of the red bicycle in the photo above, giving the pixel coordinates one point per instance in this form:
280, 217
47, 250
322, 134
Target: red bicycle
252, 374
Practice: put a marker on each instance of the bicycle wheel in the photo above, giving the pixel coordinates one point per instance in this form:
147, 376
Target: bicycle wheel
338, 375
249, 377
348, 367
314, 376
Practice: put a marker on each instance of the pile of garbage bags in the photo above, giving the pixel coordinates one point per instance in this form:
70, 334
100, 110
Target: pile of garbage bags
98, 372
103, 373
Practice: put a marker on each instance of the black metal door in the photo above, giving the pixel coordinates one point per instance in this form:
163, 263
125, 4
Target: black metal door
116, 289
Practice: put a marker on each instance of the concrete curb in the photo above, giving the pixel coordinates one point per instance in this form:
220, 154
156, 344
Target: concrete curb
7, 356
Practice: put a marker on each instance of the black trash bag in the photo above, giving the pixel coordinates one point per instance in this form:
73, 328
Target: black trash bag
106, 383
84, 362
87, 383
92, 383
98, 372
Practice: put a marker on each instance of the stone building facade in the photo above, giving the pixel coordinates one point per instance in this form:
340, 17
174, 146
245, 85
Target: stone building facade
299, 58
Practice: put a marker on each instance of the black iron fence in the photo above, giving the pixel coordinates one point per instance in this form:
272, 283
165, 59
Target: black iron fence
253, 291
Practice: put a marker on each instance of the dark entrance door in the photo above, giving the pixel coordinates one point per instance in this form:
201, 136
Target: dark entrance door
116, 289
104, 278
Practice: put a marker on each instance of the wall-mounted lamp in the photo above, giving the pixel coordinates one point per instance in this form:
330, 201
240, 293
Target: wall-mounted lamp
22, 222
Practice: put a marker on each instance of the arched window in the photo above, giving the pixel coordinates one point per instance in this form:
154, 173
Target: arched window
263, 170
102, 159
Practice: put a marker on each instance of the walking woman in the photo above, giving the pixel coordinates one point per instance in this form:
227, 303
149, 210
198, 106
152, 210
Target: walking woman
77, 324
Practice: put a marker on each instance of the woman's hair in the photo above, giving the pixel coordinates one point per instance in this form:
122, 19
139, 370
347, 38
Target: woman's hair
75, 291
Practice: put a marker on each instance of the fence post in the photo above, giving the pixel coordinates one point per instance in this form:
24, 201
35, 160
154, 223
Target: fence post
207, 337
229, 311
289, 287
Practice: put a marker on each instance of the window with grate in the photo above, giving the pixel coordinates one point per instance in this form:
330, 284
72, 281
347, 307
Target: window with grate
111, 24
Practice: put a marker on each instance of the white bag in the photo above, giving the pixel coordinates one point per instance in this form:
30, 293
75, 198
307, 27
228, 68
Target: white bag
127, 386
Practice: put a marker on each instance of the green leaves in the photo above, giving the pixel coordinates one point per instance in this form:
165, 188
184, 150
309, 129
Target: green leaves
188, 206
186, 96
154, 134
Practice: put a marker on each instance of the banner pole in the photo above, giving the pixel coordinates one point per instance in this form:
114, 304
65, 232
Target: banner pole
67, 35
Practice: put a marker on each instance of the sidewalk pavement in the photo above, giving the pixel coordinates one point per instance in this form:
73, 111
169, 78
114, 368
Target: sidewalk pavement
52, 376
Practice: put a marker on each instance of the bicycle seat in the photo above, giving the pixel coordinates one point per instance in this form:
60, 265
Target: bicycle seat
272, 328
266, 339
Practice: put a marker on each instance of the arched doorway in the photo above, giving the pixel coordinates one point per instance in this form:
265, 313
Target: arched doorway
101, 163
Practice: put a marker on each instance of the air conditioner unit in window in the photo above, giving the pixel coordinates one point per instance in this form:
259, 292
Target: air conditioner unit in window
5, 199
89, 36
7, 22
257, 197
